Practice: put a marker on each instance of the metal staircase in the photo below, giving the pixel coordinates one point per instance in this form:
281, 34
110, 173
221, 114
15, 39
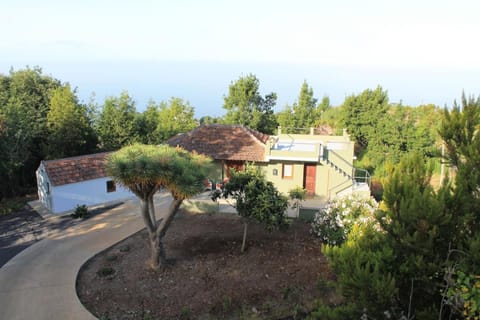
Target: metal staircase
356, 179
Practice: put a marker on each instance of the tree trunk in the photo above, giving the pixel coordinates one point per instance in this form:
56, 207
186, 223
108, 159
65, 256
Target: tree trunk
155, 251
245, 227
156, 231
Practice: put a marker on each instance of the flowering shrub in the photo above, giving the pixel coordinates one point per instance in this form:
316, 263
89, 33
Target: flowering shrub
464, 295
333, 223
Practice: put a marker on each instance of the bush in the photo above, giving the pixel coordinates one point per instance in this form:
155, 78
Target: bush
106, 272
464, 295
362, 265
376, 188
11, 205
81, 211
335, 221
297, 194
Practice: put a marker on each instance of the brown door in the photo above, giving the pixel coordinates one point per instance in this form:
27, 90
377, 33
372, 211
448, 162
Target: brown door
309, 178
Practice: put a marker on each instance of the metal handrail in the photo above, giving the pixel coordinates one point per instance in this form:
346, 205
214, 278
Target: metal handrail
365, 176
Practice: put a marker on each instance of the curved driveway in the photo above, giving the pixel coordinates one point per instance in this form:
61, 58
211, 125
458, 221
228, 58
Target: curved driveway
39, 283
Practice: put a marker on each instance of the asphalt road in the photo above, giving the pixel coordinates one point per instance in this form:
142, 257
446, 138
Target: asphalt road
20, 230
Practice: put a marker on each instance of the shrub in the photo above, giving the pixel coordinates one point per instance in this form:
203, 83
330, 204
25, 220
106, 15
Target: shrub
335, 221
297, 194
464, 295
81, 211
106, 272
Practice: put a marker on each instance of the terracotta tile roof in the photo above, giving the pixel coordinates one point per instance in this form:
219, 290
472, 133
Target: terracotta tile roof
76, 169
223, 142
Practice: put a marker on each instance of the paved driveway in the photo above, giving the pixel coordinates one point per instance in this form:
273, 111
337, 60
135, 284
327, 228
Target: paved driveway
39, 283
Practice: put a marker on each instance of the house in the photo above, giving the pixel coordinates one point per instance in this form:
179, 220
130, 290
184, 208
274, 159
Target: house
230, 146
65, 183
322, 164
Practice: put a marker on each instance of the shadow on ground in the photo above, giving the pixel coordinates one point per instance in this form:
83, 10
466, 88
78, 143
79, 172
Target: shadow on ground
21, 229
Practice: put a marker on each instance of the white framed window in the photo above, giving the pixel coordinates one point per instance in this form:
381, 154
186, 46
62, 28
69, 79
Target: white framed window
287, 171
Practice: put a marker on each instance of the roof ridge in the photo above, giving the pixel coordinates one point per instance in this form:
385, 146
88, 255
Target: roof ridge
78, 157
254, 133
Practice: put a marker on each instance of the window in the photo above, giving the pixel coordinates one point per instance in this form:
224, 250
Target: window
111, 187
287, 171
48, 187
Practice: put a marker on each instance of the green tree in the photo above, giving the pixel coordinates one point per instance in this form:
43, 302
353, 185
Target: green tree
461, 132
425, 139
24, 105
285, 118
323, 106
362, 113
116, 123
175, 116
246, 106
305, 109
69, 129
256, 199
162, 121
305, 112
3, 159
144, 169
206, 120
397, 263
146, 124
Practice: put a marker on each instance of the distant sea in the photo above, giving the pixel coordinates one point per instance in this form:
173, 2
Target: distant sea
204, 84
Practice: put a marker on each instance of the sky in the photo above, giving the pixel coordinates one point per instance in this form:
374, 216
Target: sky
420, 51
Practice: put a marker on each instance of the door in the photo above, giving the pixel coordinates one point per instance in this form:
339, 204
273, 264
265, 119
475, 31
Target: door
235, 165
309, 178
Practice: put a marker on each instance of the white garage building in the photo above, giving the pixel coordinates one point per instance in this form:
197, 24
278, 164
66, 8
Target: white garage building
65, 183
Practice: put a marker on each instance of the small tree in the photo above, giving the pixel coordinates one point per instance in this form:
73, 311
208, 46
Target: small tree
144, 169
256, 199
297, 195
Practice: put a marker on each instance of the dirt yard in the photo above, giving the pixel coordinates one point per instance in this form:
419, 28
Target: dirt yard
280, 275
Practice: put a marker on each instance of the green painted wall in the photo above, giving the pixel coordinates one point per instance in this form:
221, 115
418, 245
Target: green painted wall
328, 181
216, 171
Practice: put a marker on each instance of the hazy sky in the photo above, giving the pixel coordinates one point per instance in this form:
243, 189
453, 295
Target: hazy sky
420, 51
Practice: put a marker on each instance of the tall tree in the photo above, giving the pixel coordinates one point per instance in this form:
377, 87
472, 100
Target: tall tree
24, 104
144, 169
206, 120
246, 106
116, 123
305, 109
461, 132
69, 129
304, 113
395, 264
160, 122
362, 113
146, 124
175, 116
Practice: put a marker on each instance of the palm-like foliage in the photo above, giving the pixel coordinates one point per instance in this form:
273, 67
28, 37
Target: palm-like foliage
144, 169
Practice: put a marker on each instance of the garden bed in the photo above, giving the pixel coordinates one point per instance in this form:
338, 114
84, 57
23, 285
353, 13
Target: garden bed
281, 273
